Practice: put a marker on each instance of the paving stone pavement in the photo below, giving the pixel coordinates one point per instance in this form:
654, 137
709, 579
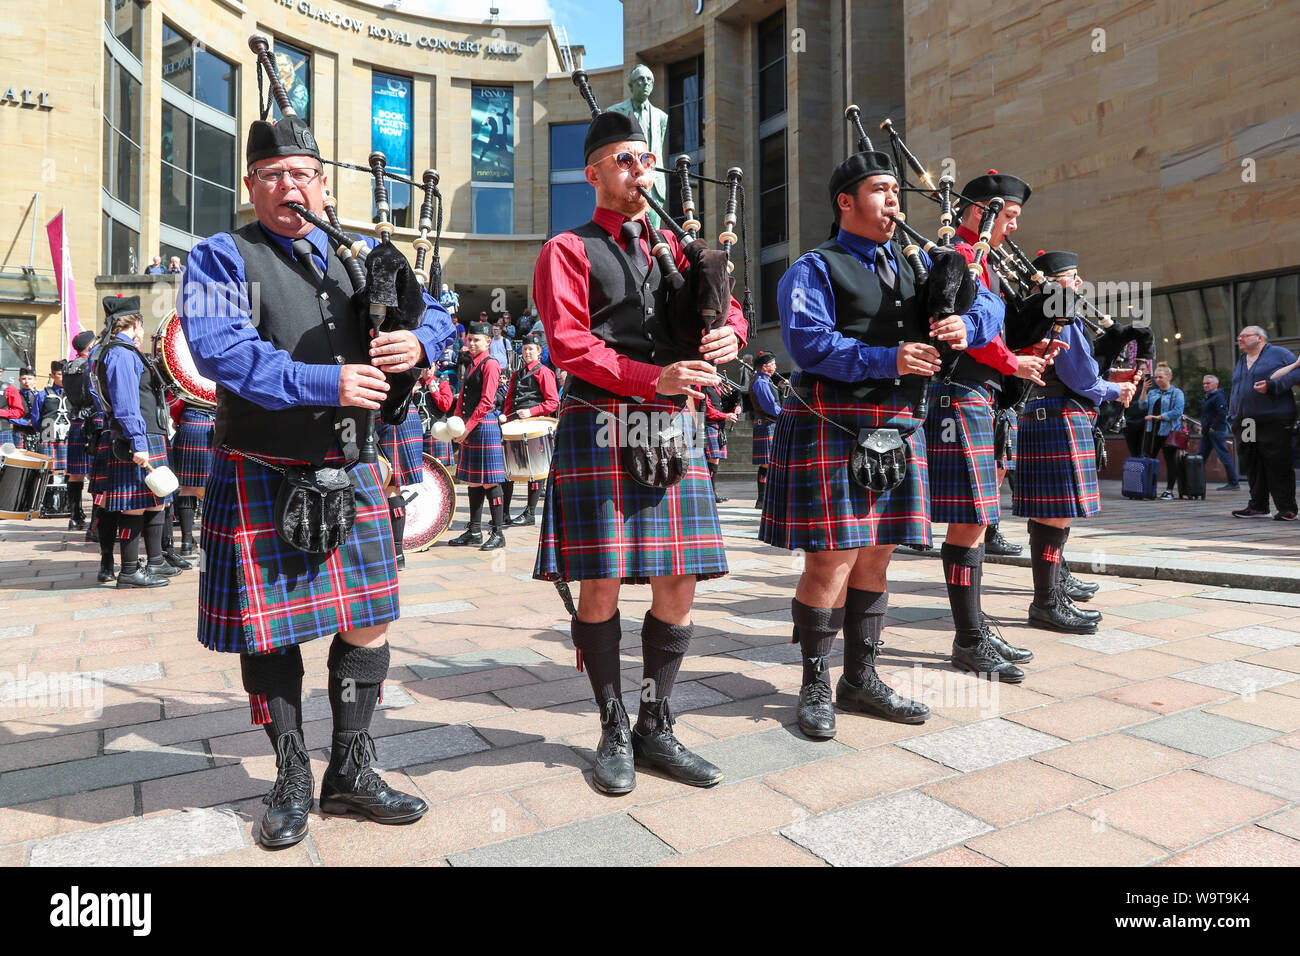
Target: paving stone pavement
1170, 737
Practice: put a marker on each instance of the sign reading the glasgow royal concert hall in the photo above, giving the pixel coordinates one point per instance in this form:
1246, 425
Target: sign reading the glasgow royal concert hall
394, 34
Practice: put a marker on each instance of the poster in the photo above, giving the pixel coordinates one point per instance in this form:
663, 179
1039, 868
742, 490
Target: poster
294, 67
492, 132
390, 111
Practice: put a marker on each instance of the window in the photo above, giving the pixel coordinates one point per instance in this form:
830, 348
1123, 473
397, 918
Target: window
685, 129
771, 66
17, 336
572, 197
200, 171
122, 124
769, 280
294, 67
492, 159
390, 134
771, 186
493, 209
123, 18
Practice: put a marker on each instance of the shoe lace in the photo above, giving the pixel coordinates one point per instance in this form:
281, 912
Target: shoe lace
818, 692
293, 783
360, 755
617, 740
664, 720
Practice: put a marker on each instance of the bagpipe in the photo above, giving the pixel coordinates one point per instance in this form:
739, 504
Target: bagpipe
699, 301
387, 292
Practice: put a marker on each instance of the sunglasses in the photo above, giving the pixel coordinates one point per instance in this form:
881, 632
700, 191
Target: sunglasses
626, 159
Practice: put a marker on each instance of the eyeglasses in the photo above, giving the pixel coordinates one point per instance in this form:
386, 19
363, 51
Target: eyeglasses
625, 160
300, 177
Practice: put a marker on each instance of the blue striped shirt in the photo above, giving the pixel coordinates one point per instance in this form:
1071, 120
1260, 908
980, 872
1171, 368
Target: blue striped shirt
228, 350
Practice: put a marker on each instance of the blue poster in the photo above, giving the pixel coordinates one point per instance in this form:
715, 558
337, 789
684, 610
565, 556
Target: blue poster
390, 110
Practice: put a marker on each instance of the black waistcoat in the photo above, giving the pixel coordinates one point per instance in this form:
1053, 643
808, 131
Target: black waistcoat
528, 390
28, 396
625, 314
153, 401
970, 369
867, 310
471, 387
316, 327
55, 405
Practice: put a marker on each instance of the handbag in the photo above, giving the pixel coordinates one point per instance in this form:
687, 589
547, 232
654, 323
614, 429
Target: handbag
1177, 439
314, 509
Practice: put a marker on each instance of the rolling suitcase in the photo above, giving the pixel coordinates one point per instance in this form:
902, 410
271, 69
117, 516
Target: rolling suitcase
1191, 477
1141, 476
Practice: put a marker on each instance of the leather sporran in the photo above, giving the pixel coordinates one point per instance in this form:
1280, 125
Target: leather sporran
659, 455
315, 509
1099, 440
878, 461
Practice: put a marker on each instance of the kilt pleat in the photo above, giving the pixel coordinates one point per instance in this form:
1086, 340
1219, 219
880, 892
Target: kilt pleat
258, 594
1056, 476
481, 461
714, 450
813, 505
403, 446
99, 464
959, 446
58, 450
80, 458
192, 447
762, 449
444, 451
599, 523
124, 486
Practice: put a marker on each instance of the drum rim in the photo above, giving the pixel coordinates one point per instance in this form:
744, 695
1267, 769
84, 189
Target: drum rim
451, 485
160, 354
538, 420
22, 458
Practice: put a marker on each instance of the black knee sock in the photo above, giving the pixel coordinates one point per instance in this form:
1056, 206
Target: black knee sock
128, 533
663, 646
507, 495
153, 534
168, 537
476, 495
864, 620
535, 489
762, 482
74, 498
108, 521
597, 646
496, 506
274, 686
397, 514
815, 629
961, 569
185, 512
356, 678
1045, 546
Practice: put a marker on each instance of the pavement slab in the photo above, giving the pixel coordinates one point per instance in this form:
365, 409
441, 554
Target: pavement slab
174, 838
985, 743
1201, 733
1265, 767
615, 840
1066, 838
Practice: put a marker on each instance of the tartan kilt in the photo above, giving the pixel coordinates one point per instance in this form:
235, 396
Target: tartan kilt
1057, 473
714, 450
403, 446
813, 505
80, 458
762, 450
481, 461
257, 594
58, 450
192, 447
444, 451
124, 486
6, 433
99, 464
959, 445
599, 523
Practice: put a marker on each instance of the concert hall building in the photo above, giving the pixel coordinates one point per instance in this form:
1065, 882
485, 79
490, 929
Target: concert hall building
1159, 138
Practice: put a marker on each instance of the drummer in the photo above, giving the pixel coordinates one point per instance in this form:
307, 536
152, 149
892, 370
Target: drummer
532, 393
439, 400
52, 415
26, 426
76, 378
136, 414
481, 466
403, 446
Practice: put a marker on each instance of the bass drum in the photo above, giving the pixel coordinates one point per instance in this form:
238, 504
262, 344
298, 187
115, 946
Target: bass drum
23, 476
177, 364
429, 513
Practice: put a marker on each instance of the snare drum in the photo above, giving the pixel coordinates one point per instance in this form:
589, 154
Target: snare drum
177, 364
23, 475
428, 514
527, 445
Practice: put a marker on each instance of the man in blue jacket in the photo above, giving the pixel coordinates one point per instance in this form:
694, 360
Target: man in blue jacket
1214, 429
1261, 413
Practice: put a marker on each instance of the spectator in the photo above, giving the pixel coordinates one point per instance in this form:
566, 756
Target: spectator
524, 324
498, 349
1261, 414
155, 268
175, 266
1164, 414
449, 300
1214, 429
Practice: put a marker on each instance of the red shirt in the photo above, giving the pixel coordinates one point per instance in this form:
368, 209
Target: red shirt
491, 378
546, 381
995, 354
560, 286
711, 412
442, 397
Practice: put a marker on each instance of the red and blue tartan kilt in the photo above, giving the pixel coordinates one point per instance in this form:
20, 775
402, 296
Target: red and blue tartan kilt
192, 447
959, 445
124, 486
444, 451
1057, 472
714, 450
6, 433
403, 446
80, 458
599, 523
481, 461
258, 594
58, 450
762, 450
99, 464
813, 505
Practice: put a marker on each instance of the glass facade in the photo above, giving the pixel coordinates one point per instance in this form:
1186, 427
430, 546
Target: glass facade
771, 66
122, 134
572, 197
686, 129
492, 159
17, 336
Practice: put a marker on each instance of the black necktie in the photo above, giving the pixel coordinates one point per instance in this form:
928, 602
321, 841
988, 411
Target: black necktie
304, 251
632, 243
883, 269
